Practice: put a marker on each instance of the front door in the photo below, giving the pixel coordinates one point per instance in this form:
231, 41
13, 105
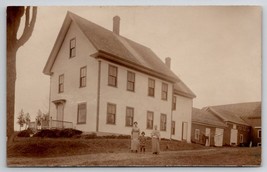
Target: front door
207, 134
60, 115
184, 130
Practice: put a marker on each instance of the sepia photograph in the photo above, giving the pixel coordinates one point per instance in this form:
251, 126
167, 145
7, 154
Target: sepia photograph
134, 86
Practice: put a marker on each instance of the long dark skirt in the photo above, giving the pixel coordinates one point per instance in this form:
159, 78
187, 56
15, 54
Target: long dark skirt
155, 145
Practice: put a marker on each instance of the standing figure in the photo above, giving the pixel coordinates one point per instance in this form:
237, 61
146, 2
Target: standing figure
142, 140
155, 135
135, 138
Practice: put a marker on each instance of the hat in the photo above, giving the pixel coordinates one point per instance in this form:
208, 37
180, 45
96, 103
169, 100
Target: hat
135, 122
143, 133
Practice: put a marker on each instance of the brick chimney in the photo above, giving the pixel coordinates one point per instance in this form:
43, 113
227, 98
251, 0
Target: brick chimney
168, 62
116, 25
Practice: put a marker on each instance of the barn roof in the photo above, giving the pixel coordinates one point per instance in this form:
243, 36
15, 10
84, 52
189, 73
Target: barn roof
206, 118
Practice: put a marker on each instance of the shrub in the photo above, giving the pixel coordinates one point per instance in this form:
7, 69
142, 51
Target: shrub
25, 133
56, 133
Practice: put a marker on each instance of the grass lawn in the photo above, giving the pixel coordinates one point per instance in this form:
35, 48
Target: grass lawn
116, 152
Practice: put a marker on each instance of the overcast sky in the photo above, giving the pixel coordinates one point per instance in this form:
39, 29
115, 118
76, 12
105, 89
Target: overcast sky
216, 51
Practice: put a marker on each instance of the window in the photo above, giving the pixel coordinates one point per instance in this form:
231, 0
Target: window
151, 87
81, 118
173, 127
174, 103
259, 133
241, 138
83, 77
112, 75
129, 116
72, 47
150, 119
111, 113
197, 132
163, 122
61, 83
130, 81
164, 91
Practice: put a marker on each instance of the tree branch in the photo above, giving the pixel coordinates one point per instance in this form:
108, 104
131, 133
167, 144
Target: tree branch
28, 28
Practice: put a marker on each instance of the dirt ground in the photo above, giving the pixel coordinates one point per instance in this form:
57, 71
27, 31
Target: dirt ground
226, 156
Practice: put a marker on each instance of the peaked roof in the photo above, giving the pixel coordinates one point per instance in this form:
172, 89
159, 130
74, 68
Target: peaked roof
206, 118
117, 48
181, 89
249, 112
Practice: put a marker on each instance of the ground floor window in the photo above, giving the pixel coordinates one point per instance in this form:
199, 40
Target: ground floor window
81, 118
129, 116
173, 127
163, 122
150, 118
111, 113
259, 133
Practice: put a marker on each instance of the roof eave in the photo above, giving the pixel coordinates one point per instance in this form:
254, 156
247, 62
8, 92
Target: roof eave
122, 61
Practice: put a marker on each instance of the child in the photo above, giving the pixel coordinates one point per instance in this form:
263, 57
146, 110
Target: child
142, 140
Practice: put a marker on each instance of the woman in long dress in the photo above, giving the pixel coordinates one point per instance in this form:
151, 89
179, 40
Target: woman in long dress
155, 135
135, 137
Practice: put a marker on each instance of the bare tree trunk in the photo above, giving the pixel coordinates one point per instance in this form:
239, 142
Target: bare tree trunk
14, 15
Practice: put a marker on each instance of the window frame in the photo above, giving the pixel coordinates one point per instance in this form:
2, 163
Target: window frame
110, 75
78, 113
126, 116
83, 77
174, 103
152, 113
61, 84
108, 113
129, 81
153, 88
163, 126
163, 91
72, 48
197, 134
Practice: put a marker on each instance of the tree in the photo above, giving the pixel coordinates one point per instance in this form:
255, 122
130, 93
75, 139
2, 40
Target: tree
14, 15
27, 120
21, 119
39, 118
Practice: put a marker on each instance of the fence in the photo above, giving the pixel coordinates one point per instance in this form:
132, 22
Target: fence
49, 123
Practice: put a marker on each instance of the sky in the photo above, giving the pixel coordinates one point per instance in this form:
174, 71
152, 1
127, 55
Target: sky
216, 51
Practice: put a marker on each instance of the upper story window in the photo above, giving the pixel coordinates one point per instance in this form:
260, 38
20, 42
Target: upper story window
164, 91
61, 83
129, 116
149, 120
174, 103
72, 47
81, 118
163, 122
111, 113
83, 77
112, 75
151, 87
130, 81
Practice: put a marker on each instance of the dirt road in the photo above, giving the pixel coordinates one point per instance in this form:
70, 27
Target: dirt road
206, 157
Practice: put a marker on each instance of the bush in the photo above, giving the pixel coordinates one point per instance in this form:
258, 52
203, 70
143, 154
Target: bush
56, 133
25, 133
89, 136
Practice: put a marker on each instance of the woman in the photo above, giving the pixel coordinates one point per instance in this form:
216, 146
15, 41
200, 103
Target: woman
135, 138
155, 135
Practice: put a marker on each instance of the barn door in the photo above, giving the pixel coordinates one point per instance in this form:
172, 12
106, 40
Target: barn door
218, 138
207, 134
233, 138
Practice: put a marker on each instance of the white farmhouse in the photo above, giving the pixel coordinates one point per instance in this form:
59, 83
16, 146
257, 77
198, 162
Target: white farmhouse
103, 82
